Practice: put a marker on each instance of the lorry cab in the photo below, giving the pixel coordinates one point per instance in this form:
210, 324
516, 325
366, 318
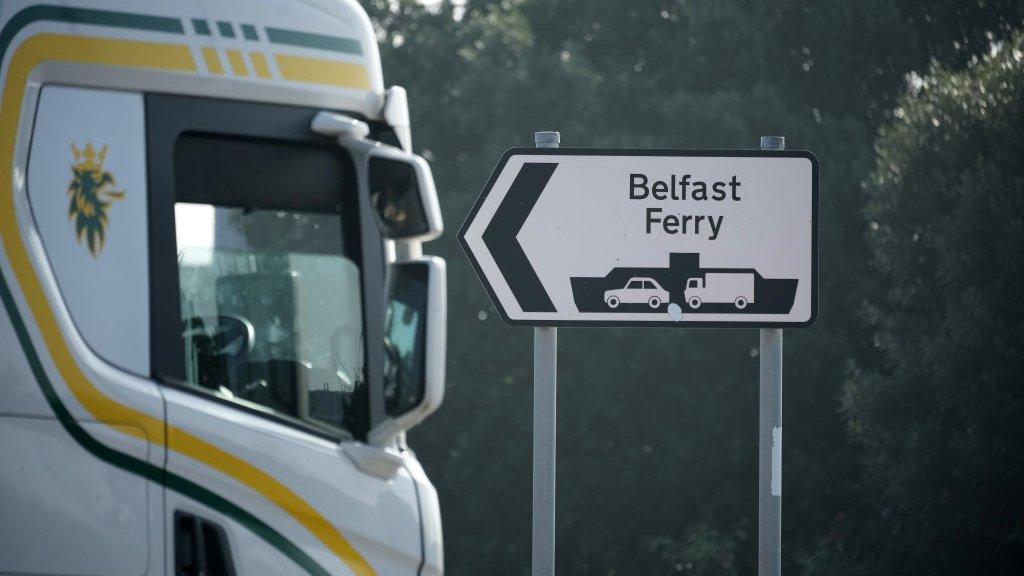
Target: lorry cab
735, 288
217, 319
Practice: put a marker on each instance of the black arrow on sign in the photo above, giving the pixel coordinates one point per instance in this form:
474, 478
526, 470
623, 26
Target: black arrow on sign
500, 236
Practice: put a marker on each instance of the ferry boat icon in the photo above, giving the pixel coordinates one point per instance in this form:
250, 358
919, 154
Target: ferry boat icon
695, 289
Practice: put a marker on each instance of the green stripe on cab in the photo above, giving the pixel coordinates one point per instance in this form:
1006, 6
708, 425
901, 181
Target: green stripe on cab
249, 31
226, 29
202, 27
310, 40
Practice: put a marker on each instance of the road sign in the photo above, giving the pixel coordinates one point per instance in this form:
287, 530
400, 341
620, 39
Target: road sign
579, 236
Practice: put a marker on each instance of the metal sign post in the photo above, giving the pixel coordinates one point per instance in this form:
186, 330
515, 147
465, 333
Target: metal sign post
545, 396
769, 444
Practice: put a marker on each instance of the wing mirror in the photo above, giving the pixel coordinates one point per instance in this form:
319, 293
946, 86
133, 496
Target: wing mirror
400, 185
415, 320
402, 194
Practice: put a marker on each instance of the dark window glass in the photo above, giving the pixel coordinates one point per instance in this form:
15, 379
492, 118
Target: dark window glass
270, 279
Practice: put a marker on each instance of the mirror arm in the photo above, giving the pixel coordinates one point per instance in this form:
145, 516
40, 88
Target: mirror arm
382, 462
396, 115
406, 250
385, 433
339, 126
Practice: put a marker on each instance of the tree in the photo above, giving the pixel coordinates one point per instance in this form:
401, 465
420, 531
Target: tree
941, 418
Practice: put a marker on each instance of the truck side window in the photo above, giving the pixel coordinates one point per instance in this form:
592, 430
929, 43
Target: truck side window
269, 277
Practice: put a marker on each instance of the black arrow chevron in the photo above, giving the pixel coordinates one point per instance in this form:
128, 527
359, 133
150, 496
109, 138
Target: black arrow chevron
500, 236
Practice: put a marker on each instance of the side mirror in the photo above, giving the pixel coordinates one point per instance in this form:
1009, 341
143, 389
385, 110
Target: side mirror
400, 185
415, 320
402, 194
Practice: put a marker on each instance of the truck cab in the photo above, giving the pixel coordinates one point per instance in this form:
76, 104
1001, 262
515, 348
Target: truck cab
217, 320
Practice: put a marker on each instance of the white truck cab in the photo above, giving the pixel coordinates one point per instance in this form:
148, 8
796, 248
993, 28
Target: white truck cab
736, 288
217, 322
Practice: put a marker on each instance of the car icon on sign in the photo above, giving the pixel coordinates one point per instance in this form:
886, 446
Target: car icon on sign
638, 290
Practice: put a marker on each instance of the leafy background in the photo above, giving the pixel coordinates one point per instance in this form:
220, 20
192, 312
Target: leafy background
903, 407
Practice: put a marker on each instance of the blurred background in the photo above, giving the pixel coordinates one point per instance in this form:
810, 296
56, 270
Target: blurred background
904, 404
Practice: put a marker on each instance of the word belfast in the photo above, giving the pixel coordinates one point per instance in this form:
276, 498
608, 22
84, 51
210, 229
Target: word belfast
683, 188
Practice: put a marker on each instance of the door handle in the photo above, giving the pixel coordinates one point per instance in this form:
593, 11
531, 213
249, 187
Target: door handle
201, 547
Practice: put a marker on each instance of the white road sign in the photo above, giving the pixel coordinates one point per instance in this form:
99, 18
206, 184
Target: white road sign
569, 236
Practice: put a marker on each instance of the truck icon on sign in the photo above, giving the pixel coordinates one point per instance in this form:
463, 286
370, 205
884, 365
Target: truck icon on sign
720, 288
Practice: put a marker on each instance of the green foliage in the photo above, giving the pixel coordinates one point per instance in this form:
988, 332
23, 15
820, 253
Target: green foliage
941, 417
657, 470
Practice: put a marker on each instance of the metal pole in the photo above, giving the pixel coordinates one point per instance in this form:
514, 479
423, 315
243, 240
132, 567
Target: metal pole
769, 444
545, 395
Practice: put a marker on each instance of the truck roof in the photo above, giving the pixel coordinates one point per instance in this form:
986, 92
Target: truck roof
305, 52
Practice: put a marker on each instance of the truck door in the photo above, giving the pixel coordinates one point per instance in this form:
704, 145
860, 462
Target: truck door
267, 288
81, 423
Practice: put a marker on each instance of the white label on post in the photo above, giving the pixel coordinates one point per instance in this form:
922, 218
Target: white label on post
776, 482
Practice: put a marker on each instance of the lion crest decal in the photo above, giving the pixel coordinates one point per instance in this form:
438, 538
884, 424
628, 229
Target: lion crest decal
91, 193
